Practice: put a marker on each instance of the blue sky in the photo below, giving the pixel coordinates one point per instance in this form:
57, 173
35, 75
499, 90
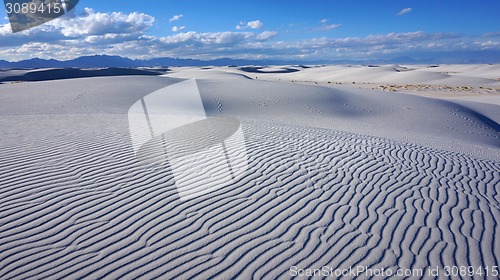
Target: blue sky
277, 29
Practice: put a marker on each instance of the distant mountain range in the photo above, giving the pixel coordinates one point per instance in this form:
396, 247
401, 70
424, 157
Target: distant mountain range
99, 61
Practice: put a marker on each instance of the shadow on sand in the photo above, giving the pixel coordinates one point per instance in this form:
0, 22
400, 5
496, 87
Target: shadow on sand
73, 73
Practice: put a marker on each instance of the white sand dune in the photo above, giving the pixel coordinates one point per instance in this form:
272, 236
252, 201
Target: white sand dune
219, 73
454, 75
335, 177
478, 83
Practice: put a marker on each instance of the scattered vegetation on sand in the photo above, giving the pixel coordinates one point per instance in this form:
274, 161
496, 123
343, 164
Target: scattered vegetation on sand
434, 88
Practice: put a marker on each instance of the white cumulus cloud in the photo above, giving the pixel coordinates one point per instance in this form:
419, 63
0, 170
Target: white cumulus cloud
266, 35
92, 23
404, 11
256, 24
86, 27
178, 28
327, 27
176, 18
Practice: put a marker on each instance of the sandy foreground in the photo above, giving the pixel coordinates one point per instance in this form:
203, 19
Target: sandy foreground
250, 172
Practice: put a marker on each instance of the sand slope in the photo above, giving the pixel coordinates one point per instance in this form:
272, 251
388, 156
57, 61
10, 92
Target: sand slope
337, 177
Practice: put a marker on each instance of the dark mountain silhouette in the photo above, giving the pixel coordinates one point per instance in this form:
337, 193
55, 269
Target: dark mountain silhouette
97, 61
4, 64
103, 61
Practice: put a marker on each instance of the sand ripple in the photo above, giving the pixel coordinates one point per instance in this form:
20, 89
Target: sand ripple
81, 205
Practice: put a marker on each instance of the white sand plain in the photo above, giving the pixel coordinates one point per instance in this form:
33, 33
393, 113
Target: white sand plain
296, 166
